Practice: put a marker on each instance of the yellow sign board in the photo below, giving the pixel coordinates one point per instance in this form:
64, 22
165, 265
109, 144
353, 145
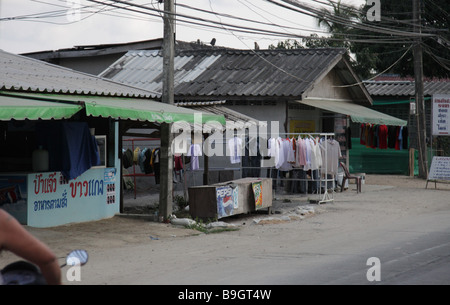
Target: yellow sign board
297, 126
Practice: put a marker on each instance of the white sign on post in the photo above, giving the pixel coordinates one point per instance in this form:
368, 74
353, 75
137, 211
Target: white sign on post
441, 115
440, 169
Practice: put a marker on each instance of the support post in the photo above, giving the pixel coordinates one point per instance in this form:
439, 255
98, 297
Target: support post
166, 157
420, 103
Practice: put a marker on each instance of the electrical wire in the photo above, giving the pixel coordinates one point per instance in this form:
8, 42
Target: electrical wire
343, 21
128, 9
381, 73
202, 22
285, 28
183, 18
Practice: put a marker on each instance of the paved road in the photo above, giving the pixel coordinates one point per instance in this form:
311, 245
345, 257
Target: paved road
409, 235
405, 226
413, 251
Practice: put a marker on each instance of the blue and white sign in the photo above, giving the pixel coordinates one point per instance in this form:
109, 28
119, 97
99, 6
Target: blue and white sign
53, 201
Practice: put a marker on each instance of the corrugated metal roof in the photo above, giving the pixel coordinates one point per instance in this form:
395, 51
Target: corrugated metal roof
20, 73
406, 88
228, 73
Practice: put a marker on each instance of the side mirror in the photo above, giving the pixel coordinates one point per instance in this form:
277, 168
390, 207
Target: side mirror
77, 258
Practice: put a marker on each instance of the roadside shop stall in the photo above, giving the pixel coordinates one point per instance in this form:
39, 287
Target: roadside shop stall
59, 140
63, 166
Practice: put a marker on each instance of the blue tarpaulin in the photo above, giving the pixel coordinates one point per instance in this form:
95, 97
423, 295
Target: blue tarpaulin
71, 147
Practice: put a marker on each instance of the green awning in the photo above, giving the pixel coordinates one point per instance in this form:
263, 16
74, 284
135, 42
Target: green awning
113, 107
19, 108
379, 102
146, 110
357, 113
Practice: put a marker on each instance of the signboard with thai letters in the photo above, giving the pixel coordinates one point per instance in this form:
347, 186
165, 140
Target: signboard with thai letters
441, 115
439, 170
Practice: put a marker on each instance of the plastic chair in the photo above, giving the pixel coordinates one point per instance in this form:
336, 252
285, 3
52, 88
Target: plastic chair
348, 176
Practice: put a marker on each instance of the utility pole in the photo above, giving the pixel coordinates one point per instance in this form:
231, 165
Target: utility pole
166, 156
420, 103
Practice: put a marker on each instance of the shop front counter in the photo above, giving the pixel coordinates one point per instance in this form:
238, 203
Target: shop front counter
225, 199
48, 199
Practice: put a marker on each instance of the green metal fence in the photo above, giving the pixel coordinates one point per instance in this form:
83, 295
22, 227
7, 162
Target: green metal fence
378, 161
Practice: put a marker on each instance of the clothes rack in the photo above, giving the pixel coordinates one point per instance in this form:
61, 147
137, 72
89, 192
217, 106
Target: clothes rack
322, 175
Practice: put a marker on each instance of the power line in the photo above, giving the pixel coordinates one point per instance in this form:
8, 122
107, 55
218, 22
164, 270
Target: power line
285, 28
381, 73
133, 9
343, 21
183, 18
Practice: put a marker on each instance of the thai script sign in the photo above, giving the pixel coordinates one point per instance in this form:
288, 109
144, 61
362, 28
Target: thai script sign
441, 115
440, 169
53, 200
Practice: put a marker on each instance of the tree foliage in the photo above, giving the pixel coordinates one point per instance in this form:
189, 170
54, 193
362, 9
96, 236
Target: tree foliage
369, 59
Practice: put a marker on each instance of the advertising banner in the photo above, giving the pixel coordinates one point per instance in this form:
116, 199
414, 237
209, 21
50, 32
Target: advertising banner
257, 192
227, 200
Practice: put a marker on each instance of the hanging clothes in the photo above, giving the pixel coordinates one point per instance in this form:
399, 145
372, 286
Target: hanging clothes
291, 151
251, 160
148, 168
367, 134
392, 136
71, 147
307, 154
195, 151
362, 138
300, 159
348, 135
316, 155
383, 136
286, 154
276, 151
141, 159
156, 165
333, 154
235, 149
374, 143
405, 135
127, 158
178, 162
397, 138
136, 153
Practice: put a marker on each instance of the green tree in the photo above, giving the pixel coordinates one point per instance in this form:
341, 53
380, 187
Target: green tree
397, 14
369, 59
288, 44
337, 29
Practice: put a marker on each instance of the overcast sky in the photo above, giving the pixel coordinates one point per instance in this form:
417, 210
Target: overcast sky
64, 26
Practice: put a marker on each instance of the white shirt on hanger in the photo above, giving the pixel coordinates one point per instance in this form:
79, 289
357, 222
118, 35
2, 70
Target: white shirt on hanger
333, 155
195, 150
274, 151
285, 153
316, 156
235, 149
